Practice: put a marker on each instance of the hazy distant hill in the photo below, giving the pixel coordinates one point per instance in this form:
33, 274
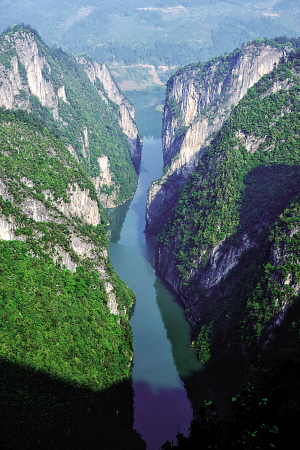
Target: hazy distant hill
162, 33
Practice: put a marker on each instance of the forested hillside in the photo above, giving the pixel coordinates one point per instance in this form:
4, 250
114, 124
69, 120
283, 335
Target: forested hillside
231, 249
199, 98
54, 86
160, 33
64, 324
228, 213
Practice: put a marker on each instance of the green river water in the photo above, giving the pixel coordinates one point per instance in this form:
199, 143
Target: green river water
168, 380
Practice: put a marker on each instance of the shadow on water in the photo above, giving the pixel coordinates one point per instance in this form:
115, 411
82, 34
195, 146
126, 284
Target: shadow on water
199, 382
38, 411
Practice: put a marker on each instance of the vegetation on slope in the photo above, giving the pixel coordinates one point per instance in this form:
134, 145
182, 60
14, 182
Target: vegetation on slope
235, 196
56, 321
84, 110
65, 359
61, 318
217, 202
264, 415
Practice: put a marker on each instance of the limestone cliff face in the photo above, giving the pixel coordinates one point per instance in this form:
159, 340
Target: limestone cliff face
199, 100
11, 85
221, 263
104, 184
222, 259
81, 206
26, 75
52, 84
110, 91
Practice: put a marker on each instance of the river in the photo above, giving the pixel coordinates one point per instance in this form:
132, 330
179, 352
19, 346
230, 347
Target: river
167, 377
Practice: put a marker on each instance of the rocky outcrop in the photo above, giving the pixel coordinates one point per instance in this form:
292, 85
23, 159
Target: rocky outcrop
108, 90
30, 79
104, 185
11, 85
199, 100
221, 262
80, 205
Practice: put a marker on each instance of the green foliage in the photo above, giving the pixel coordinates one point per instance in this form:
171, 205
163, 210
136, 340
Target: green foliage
180, 133
202, 344
49, 169
173, 108
55, 321
7, 54
52, 319
264, 414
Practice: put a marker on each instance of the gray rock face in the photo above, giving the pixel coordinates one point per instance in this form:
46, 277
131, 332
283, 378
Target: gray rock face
11, 85
202, 99
109, 89
80, 205
220, 264
105, 179
15, 91
223, 258
29, 72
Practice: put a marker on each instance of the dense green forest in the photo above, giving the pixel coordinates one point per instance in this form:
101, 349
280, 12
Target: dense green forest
27, 154
65, 359
162, 33
57, 332
83, 110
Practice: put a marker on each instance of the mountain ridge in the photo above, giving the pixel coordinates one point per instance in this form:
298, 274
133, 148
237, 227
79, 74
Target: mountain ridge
199, 98
52, 84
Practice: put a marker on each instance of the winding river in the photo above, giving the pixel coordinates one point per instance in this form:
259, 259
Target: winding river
168, 380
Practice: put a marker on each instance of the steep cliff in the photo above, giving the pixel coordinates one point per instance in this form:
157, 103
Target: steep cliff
199, 98
53, 85
101, 77
223, 248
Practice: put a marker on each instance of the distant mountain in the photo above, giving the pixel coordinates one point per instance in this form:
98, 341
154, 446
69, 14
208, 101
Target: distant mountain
142, 41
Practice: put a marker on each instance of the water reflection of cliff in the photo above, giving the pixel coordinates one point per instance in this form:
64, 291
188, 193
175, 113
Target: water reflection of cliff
198, 380
116, 218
